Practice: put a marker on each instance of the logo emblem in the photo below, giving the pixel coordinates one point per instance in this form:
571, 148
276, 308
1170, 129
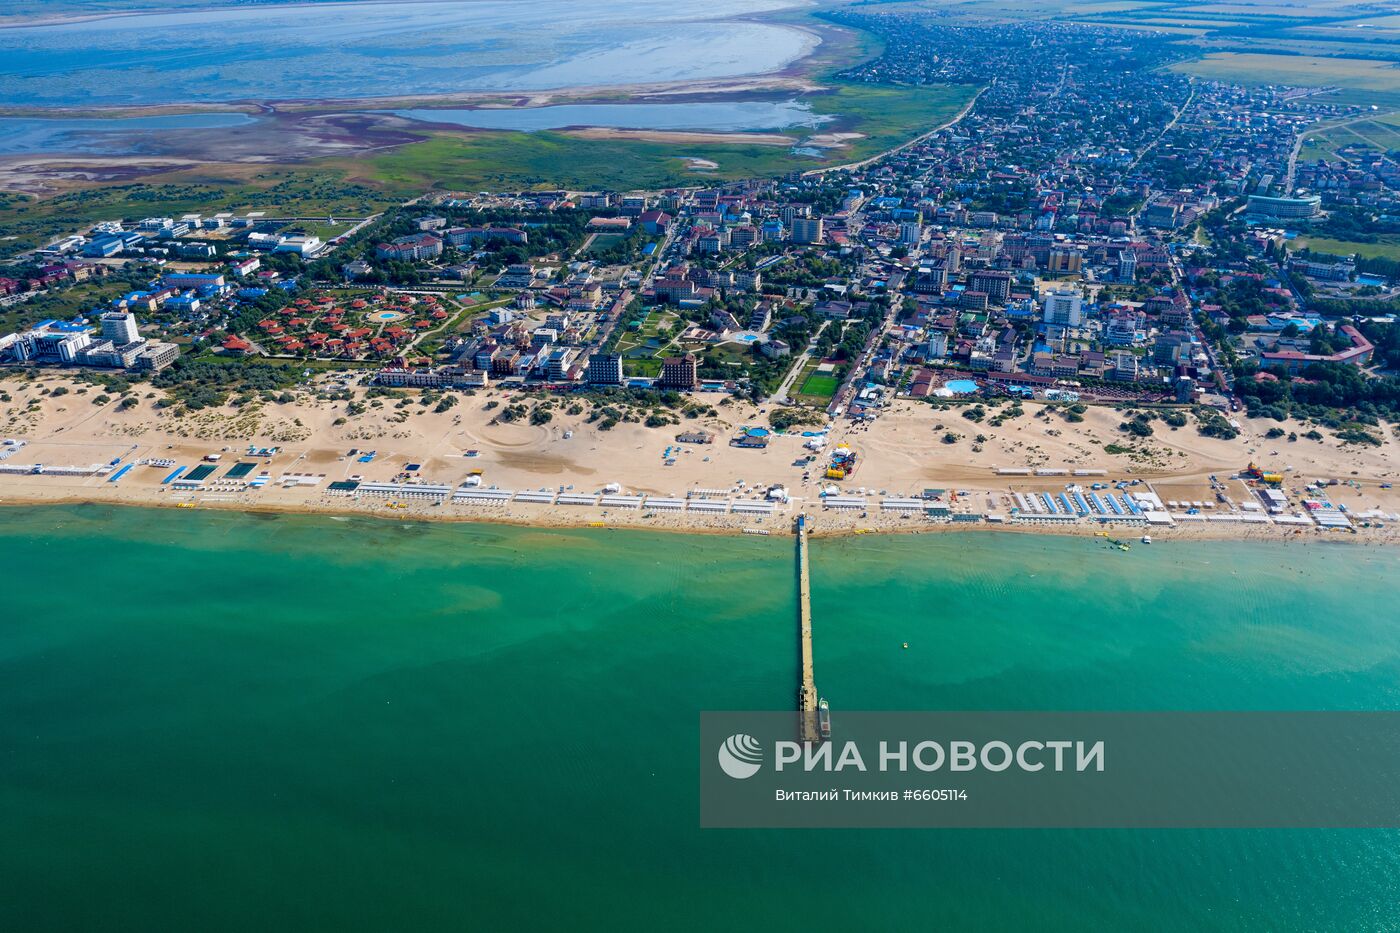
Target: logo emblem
741, 756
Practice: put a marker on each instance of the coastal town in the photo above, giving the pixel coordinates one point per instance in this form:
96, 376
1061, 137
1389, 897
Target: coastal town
600, 464
1088, 302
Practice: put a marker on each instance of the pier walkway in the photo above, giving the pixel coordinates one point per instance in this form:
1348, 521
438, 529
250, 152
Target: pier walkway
807, 727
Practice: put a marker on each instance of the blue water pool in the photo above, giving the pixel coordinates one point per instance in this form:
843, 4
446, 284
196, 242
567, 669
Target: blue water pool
961, 386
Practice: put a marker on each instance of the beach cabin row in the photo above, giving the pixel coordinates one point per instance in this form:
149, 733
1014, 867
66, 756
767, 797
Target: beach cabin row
1072, 506
476, 496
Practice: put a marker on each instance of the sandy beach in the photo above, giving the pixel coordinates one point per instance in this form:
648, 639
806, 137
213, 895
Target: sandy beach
902, 453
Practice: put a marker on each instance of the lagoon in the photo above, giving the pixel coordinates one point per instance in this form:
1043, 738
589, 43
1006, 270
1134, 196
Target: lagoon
221, 721
710, 116
385, 49
115, 136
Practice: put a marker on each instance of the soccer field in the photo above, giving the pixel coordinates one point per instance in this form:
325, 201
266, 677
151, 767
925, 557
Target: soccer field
821, 385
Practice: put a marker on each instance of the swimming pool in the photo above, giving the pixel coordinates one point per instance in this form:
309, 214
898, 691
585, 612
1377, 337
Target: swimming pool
961, 386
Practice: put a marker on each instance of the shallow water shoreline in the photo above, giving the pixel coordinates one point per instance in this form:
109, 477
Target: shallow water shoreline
822, 524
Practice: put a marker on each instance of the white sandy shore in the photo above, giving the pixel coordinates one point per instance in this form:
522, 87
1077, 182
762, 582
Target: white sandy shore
900, 454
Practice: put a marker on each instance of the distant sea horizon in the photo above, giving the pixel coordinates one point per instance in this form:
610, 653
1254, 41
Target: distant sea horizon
228, 721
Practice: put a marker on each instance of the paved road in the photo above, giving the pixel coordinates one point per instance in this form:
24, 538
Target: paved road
1322, 128
849, 166
780, 397
1181, 111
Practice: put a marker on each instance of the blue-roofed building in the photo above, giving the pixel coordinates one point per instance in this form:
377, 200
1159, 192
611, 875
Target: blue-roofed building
193, 279
186, 303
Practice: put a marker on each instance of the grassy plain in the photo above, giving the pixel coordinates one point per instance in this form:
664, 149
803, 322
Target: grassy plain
1364, 77
1378, 133
27, 221
885, 116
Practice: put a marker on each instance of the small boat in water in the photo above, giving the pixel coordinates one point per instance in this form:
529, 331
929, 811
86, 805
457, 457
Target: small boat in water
1146, 539
824, 718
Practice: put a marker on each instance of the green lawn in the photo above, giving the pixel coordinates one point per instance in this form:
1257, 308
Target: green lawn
605, 241
641, 366
649, 329
820, 385
64, 303
1387, 247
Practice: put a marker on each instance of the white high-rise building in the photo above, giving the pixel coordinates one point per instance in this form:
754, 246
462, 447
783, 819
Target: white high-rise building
1127, 266
1064, 307
120, 328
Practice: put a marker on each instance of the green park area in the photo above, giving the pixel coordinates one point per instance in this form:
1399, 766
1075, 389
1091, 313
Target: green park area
643, 343
74, 300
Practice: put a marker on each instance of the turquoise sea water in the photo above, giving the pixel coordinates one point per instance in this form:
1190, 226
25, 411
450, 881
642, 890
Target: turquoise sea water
217, 721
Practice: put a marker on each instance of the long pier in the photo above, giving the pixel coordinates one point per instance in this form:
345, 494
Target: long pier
807, 726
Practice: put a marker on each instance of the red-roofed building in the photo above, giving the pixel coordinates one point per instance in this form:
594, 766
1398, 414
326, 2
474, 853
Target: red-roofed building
237, 346
1294, 362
